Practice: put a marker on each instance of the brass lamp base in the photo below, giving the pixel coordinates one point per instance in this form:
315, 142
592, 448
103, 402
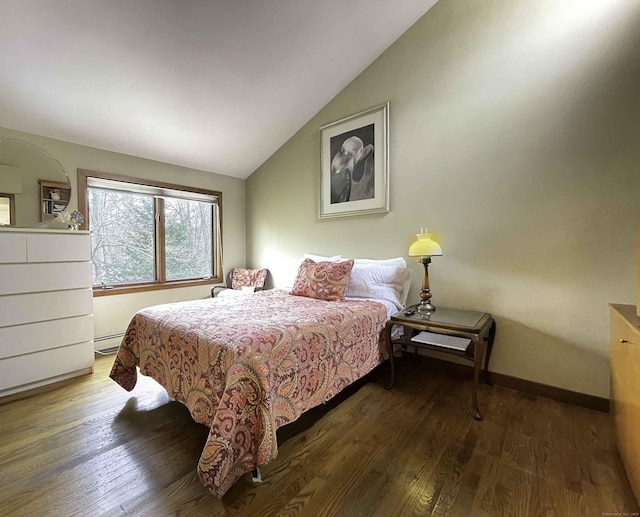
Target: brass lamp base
425, 307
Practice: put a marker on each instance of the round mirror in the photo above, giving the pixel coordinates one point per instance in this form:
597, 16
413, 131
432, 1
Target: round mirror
34, 187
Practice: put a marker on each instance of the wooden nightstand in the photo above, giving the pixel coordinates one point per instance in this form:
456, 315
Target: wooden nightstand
447, 330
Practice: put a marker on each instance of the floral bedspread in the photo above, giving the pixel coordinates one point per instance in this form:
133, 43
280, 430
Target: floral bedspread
245, 366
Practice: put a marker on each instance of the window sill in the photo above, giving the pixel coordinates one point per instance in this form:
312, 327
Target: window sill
139, 288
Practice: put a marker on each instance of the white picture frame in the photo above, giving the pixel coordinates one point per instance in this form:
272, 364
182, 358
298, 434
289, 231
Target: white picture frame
354, 176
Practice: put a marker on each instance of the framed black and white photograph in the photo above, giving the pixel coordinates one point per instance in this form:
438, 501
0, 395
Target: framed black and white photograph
354, 177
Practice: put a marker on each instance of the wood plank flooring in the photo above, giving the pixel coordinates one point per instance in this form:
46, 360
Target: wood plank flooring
88, 448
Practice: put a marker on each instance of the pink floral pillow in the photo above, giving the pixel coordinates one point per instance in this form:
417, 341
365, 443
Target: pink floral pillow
323, 280
248, 278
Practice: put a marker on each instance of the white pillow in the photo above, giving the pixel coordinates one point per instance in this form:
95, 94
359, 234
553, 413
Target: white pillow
398, 262
382, 262
386, 282
228, 293
320, 258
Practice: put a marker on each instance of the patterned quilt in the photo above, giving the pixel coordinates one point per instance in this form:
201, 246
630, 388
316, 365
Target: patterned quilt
245, 366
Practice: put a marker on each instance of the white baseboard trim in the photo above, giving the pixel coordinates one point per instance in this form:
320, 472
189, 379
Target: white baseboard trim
108, 343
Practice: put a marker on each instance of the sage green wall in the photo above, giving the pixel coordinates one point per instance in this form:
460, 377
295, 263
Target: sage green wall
514, 136
112, 313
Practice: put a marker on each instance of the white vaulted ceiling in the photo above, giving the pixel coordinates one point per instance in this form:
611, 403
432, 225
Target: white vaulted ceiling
216, 85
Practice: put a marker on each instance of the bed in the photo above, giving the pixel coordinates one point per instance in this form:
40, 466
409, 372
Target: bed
245, 366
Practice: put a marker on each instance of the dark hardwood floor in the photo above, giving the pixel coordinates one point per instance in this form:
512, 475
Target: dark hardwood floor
86, 447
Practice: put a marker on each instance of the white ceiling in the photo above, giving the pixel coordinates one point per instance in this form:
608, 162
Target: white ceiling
216, 85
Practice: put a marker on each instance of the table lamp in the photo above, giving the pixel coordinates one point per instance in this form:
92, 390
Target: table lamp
425, 248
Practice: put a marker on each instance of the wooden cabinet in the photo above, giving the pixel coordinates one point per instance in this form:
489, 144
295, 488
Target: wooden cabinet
625, 388
54, 197
638, 274
46, 307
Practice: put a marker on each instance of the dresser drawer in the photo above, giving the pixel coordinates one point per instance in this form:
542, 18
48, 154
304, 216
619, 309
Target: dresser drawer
36, 337
69, 247
17, 309
13, 248
29, 368
33, 278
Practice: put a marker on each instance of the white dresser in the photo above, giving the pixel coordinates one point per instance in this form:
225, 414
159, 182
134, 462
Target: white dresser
46, 307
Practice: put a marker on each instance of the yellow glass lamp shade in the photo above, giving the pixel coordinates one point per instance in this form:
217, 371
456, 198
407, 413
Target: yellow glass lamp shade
425, 248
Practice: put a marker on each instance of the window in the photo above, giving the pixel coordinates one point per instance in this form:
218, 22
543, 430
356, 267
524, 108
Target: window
148, 235
7, 209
